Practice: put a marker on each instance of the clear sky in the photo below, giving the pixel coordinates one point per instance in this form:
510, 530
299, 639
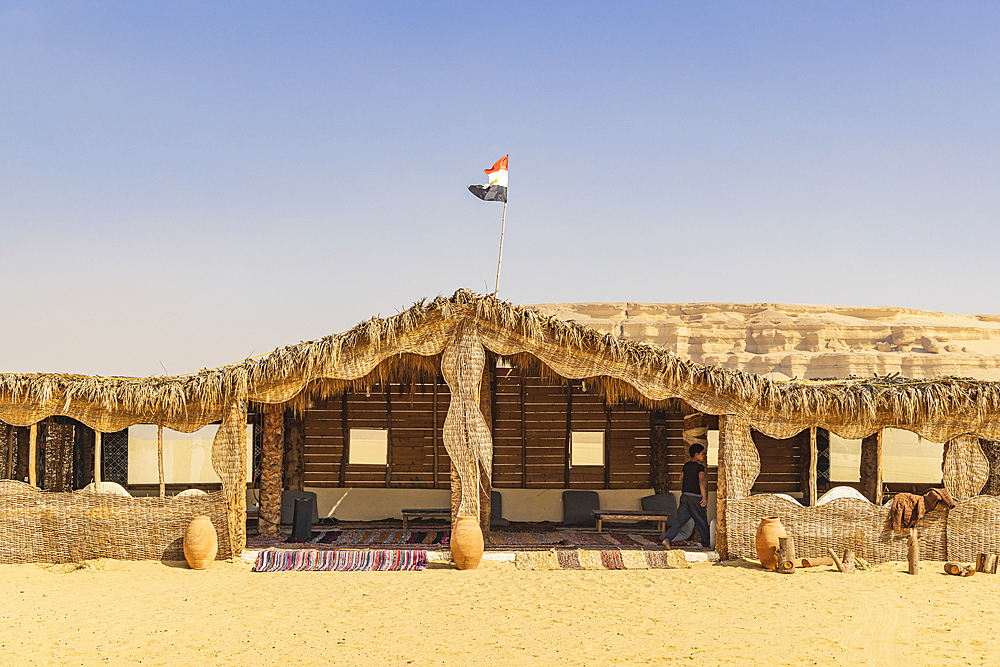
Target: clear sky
184, 184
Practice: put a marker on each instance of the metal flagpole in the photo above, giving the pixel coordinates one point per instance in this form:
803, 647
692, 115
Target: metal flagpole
503, 223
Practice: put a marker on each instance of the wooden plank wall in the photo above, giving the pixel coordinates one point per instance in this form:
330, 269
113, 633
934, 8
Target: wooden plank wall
529, 441
411, 448
782, 463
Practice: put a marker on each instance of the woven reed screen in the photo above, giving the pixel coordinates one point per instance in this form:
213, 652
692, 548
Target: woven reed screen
937, 411
58, 470
991, 449
845, 523
466, 434
43, 527
966, 468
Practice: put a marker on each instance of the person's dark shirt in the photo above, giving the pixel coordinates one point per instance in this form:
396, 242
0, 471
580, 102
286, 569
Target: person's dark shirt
690, 483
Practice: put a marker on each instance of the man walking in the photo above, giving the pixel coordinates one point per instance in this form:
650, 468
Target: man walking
694, 499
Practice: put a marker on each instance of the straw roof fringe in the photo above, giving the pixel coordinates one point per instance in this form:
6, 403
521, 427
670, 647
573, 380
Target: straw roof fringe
408, 344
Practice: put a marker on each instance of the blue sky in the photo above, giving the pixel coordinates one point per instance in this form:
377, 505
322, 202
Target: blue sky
185, 184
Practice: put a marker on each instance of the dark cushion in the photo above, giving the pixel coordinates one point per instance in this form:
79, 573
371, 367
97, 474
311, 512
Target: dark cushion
661, 503
496, 510
288, 505
578, 507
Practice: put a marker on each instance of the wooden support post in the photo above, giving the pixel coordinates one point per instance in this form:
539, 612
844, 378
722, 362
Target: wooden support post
813, 459
295, 437
871, 467
434, 436
159, 459
568, 448
345, 450
98, 436
913, 552
524, 432
607, 447
786, 555
33, 455
388, 425
271, 475
721, 537
11, 444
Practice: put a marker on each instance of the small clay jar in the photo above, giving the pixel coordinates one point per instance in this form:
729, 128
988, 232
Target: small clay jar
201, 544
466, 542
768, 532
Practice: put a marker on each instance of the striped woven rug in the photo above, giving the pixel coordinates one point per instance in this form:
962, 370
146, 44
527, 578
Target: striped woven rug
310, 560
605, 559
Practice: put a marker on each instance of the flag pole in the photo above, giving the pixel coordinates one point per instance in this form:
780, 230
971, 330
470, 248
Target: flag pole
503, 223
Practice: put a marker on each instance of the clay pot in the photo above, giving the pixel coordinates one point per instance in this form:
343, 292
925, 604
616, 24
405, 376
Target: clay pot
200, 543
466, 542
768, 532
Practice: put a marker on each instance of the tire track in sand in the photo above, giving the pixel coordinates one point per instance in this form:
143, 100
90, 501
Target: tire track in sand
880, 629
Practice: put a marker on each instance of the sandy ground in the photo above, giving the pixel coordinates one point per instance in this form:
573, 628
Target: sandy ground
150, 613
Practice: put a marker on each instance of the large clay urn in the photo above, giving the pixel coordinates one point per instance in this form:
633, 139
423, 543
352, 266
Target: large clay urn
768, 532
466, 542
200, 543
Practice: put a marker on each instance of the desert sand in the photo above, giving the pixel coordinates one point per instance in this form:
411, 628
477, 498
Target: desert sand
151, 613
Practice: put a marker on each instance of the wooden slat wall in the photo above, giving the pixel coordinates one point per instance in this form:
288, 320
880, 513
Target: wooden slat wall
781, 463
412, 452
529, 440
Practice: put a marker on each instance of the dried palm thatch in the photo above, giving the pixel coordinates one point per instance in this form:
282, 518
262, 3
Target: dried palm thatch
408, 346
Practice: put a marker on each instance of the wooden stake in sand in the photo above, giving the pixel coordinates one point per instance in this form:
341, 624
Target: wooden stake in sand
33, 455
913, 552
959, 570
848, 562
786, 555
97, 460
159, 459
986, 563
836, 559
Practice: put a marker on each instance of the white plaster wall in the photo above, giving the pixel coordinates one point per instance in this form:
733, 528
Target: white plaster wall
366, 504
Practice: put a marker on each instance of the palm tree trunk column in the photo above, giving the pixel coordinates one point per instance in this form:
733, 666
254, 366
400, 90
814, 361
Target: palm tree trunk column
271, 473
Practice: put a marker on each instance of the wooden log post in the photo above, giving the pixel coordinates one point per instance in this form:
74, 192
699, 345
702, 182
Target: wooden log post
295, 438
871, 467
836, 559
271, 477
33, 455
848, 562
721, 538
786, 555
959, 570
913, 552
814, 562
813, 464
159, 460
98, 436
11, 444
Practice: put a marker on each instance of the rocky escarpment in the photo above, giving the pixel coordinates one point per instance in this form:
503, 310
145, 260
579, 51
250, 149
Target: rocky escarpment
803, 341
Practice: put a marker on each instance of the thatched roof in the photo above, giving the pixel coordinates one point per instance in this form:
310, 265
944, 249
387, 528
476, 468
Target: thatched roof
408, 344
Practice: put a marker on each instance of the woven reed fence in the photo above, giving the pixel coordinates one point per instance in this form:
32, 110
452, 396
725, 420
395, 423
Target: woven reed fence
850, 523
39, 527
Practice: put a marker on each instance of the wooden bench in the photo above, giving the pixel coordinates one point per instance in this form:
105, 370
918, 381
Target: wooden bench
444, 515
631, 515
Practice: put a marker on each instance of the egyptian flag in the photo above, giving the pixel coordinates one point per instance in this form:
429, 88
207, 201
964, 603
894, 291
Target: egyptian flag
496, 183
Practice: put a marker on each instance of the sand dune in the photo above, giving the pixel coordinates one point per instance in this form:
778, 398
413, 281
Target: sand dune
148, 613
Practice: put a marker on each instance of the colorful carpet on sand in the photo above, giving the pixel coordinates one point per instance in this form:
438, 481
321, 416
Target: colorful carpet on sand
303, 560
604, 559
496, 540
